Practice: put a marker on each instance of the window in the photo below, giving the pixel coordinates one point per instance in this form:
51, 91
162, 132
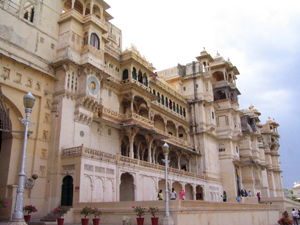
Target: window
95, 41
134, 73
196, 85
184, 112
170, 133
158, 100
140, 77
177, 108
180, 135
174, 107
184, 88
167, 101
237, 149
153, 91
125, 75
180, 110
212, 115
162, 99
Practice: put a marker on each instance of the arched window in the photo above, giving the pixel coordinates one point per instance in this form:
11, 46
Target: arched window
78, 7
177, 107
95, 41
134, 73
145, 80
180, 110
162, 99
167, 102
158, 100
174, 107
125, 75
170, 104
153, 91
184, 112
140, 77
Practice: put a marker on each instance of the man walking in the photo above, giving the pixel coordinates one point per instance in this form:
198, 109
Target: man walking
295, 217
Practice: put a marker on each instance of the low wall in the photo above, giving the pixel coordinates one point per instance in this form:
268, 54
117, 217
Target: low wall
185, 212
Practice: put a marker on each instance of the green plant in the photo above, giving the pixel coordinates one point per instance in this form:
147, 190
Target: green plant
96, 212
29, 209
60, 211
140, 211
3, 203
86, 211
153, 210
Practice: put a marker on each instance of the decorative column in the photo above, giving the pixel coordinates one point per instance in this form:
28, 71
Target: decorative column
132, 131
149, 139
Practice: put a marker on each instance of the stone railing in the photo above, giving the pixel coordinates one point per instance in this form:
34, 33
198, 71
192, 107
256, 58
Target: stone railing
139, 118
169, 110
112, 113
81, 151
169, 89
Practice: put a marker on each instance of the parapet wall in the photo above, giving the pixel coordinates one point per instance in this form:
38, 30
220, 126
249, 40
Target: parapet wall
185, 212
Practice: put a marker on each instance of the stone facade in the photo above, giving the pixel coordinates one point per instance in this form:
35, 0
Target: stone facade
102, 115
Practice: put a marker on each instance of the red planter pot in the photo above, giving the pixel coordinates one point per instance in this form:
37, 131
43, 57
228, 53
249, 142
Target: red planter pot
84, 221
27, 218
60, 221
140, 221
154, 220
96, 221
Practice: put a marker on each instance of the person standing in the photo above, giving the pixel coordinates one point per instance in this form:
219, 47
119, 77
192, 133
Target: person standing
160, 195
285, 220
258, 196
224, 196
295, 217
242, 193
246, 194
181, 197
250, 194
239, 199
173, 194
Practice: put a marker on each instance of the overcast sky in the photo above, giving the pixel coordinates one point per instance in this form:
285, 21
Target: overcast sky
261, 38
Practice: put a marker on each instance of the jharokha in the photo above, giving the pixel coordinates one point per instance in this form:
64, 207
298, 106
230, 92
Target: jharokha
102, 115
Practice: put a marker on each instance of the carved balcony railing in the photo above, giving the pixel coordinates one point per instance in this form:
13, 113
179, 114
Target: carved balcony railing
81, 151
169, 110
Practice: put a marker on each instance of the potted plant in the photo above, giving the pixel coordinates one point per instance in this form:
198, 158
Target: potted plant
29, 209
60, 211
97, 214
140, 211
154, 219
3, 203
85, 211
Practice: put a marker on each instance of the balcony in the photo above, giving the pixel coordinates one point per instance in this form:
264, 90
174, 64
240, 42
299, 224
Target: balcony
83, 152
170, 111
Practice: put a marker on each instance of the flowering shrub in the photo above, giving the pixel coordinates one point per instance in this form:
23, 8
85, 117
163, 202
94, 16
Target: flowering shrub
60, 211
139, 210
153, 210
96, 212
86, 211
29, 209
3, 203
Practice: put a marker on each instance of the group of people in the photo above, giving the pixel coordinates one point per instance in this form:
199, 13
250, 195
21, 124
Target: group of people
173, 195
239, 197
285, 220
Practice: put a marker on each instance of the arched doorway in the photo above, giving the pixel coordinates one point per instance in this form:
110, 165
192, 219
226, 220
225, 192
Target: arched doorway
127, 187
67, 191
199, 193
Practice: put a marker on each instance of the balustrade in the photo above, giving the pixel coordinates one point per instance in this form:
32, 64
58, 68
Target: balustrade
81, 151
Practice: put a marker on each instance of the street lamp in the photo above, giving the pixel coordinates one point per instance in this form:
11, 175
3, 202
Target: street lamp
167, 219
18, 216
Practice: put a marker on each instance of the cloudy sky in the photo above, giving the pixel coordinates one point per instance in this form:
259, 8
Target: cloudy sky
261, 38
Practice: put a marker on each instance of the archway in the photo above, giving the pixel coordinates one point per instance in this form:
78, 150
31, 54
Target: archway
162, 186
189, 192
67, 191
199, 193
127, 187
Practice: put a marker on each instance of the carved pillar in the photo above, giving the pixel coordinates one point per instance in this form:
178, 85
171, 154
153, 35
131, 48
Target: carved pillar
176, 129
154, 159
131, 103
179, 154
92, 6
149, 139
132, 131
190, 164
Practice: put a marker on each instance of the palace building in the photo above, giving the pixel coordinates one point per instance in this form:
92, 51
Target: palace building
102, 115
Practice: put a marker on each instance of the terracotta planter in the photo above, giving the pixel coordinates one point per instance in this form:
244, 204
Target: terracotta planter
140, 221
60, 221
27, 218
84, 221
154, 220
96, 221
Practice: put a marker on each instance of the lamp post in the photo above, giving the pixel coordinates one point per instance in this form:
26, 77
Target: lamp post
167, 219
18, 216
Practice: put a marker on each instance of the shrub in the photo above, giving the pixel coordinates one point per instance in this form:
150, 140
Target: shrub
29, 209
60, 211
153, 210
3, 203
96, 212
140, 211
86, 211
